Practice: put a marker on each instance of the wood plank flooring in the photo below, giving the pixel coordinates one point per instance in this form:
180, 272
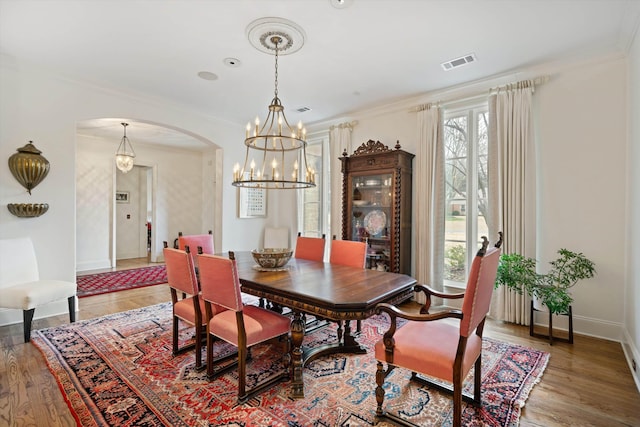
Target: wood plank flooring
585, 384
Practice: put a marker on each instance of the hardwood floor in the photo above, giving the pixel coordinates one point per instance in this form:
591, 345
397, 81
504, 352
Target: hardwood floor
585, 384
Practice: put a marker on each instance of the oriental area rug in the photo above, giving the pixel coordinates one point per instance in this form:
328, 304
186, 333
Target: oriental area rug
102, 283
118, 370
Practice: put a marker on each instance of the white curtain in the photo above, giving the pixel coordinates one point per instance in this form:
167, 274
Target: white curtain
339, 142
512, 155
428, 204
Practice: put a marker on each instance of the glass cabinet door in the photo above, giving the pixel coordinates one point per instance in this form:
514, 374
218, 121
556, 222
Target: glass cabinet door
371, 216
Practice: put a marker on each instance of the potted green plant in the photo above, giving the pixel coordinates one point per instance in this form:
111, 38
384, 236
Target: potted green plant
519, 273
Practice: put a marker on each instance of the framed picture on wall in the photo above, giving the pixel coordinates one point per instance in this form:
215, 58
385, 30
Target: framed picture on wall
252, 202
122, 196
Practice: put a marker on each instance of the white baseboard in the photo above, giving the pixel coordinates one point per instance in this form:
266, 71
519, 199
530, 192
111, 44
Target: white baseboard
632, 354
93, 265
597, 328
10, 317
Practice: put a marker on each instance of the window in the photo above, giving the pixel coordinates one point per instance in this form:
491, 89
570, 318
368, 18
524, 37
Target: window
466, 185
313, 203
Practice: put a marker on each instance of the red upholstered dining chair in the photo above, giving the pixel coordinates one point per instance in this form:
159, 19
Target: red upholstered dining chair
352, 254
189, 307
240, 325
195, 242
348, 252
433, 345
311, 248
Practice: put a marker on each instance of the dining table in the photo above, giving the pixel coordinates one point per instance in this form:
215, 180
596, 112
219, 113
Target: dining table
327, 291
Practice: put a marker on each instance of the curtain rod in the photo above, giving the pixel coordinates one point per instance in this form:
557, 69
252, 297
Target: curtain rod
535, 82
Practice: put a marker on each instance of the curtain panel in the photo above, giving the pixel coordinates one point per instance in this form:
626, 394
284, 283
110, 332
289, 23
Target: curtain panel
512, 156
429, 207
339, 141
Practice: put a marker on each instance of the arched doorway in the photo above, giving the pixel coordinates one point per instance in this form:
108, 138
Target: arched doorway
174, 189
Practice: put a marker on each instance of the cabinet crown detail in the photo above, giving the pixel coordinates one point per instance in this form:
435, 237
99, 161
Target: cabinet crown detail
371, 147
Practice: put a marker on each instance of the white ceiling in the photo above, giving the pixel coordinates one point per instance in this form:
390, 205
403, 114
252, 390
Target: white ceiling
367, 54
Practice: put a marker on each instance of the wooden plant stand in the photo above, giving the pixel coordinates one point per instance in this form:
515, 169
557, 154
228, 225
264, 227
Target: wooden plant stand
550, 334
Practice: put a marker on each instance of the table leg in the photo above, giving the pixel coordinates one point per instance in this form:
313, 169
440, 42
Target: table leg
297, 335
350, 344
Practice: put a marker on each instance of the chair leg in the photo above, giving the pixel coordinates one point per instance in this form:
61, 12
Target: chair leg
457, 400
242, 371
72, 308
380, 375
209, 355
198, 347
175, 336
477, 380
27, 317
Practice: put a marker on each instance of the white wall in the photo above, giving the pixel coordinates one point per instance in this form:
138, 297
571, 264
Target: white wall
581, 134
632, 294
183, 183
582, 142
37, 105
582, 131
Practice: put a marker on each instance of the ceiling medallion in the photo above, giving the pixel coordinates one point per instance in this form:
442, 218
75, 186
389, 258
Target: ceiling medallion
261, 31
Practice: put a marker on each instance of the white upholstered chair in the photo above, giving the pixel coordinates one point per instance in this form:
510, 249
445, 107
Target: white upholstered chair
21, 287
276, 237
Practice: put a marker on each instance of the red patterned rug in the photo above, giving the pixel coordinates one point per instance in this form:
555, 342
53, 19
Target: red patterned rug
102, 283
118, 370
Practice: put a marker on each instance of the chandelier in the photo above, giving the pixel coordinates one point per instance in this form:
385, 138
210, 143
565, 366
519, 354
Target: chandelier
276, 155
125, 153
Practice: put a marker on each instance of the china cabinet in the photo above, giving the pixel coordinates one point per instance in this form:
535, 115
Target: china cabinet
376, 204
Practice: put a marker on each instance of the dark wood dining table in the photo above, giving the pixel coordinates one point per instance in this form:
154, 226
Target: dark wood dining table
324, 290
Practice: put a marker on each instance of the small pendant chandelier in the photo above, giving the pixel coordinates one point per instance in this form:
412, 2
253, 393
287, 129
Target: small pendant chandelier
125, 153
276, 156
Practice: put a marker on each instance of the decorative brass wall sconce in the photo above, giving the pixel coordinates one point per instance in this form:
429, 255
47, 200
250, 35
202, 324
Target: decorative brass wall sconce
28, 167
27, 210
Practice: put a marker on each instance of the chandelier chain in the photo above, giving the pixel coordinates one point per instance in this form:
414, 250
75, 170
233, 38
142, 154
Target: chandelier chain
276, 40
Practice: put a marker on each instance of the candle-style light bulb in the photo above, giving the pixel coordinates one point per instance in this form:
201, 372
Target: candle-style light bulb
273, 168
257, 125
248, 129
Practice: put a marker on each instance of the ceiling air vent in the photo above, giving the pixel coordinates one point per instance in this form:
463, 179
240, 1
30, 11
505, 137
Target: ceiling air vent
302, 109
459, 62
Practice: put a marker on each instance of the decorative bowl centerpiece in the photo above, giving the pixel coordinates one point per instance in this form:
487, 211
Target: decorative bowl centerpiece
272, 257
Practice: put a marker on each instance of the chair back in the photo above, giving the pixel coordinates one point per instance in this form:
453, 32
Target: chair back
193, 241
347, 252
18, 263
181, 273
480, 284
276, 237
219, 281
311, 248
